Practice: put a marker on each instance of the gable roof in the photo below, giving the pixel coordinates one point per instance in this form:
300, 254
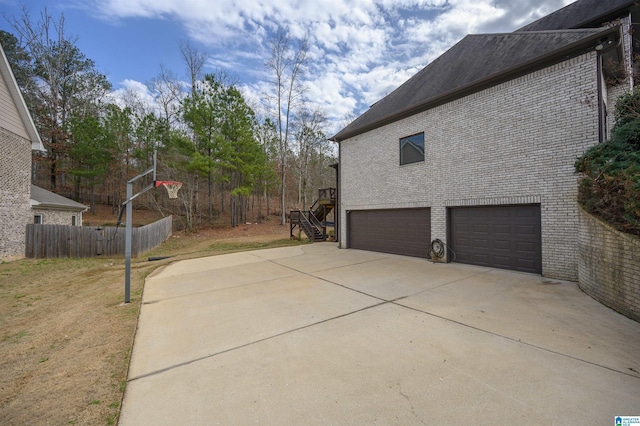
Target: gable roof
42, 198
476, 62
18, 100
581, 14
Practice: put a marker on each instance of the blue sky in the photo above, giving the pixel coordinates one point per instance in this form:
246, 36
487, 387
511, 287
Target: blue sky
360, 49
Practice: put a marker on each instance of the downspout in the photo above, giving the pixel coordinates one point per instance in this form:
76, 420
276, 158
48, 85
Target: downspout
601, 125
339, 197
600, 51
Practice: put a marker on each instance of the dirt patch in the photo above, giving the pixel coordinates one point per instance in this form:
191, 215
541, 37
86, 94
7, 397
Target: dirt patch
66, 336
107, 216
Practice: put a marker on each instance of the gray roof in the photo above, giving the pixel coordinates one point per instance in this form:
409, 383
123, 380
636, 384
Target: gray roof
581, 14
476, 62
42, 198
479, 61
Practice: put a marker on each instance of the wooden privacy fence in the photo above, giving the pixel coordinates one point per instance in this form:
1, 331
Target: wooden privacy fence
47, 241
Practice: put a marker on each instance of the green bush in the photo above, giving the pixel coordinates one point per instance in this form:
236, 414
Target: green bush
610, 187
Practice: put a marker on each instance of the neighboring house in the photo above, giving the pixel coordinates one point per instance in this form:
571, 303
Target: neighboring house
18, 137
478, 148
48, 208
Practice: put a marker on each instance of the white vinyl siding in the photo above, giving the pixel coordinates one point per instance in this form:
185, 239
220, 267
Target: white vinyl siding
9, 116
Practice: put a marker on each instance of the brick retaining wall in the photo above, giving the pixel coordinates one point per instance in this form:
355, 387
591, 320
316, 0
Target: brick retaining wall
609, 266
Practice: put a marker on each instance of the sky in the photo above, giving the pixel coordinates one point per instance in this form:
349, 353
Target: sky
360, 50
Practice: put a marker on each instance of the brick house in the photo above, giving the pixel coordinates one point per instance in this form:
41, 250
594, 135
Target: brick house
477, 149
48, 208
18, 137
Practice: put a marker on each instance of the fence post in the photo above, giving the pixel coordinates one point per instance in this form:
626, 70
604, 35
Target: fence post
99, 241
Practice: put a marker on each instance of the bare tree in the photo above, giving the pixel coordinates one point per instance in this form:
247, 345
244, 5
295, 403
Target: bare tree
287, 65
194, 60
64, 84
309, 140
168, 93
133, 99
266, 135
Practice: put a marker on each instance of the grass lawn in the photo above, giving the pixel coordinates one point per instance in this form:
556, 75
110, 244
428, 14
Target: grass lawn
66, 336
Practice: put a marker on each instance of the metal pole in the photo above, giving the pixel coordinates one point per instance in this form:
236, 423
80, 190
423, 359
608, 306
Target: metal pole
127, 245
128, 234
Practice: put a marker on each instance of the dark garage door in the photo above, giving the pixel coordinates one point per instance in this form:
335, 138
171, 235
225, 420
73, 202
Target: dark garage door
398, 231
505, 237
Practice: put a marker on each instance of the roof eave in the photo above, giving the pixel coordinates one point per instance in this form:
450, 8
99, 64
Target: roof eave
46, 206
567, 52
599, 18
5, 68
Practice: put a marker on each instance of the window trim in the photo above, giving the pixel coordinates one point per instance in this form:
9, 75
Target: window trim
400, 158
38, 219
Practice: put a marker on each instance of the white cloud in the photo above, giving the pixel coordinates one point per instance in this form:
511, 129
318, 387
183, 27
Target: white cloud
132, 90
137, 96
361, 49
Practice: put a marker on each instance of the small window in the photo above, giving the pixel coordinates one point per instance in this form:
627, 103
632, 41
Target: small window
37, 219
74, 221
412, 149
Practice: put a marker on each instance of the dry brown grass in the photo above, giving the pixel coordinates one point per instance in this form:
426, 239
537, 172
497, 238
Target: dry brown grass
66, 336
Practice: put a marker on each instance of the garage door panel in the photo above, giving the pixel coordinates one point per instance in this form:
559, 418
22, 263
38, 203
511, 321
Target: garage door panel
531, 213
526, 264
479, 259
502, 245
501, 229
506, 237
398, 231
461, 242
497, 214
463, 226
526, 230
481, 242
525, 246
502, 261
480, 228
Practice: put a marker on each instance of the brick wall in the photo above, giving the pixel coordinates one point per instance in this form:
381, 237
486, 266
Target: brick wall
57, 217
15, 189
513, 143
609, 266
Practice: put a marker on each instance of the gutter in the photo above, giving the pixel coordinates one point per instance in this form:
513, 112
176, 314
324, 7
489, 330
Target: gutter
38, 205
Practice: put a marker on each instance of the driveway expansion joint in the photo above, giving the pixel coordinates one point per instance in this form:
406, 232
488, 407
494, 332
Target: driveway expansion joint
284, 333
513, 339
394, 302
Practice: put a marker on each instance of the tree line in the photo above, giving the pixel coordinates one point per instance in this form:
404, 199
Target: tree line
233, 158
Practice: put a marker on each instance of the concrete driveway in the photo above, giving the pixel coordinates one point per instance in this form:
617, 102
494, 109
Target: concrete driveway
317, 335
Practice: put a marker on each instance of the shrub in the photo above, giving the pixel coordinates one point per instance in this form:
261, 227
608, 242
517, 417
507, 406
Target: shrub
610, 187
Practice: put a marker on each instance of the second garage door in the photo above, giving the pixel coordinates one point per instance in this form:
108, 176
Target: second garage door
506, 237
398, 231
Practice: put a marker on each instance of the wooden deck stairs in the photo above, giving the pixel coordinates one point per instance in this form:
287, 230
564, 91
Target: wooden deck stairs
313, 222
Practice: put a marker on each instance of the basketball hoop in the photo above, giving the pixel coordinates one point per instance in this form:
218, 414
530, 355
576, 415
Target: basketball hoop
172, 187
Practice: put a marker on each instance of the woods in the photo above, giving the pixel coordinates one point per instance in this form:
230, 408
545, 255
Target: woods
239, 161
